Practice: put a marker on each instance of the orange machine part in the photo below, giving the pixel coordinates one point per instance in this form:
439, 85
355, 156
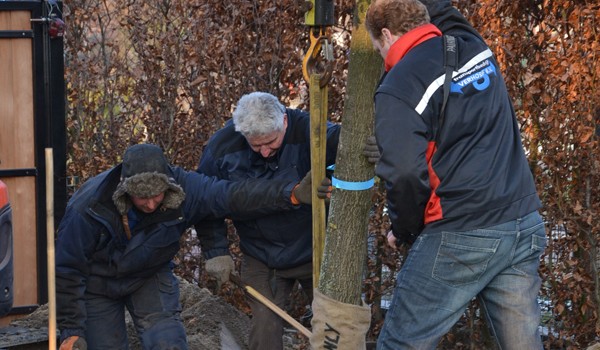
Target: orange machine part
3, 194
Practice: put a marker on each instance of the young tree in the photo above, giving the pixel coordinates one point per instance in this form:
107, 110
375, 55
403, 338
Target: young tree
345, 251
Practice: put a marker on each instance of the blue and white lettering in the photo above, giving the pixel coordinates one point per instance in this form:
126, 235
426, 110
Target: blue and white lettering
478, 76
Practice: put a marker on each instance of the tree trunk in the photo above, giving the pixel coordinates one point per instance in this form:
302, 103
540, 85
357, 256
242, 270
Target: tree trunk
345, 250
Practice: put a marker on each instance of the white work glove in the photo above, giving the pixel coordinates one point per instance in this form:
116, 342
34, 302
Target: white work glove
220, 267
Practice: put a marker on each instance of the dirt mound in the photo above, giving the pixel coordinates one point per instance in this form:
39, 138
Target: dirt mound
211, 323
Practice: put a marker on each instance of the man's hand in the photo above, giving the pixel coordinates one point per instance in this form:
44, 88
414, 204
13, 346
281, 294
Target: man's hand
324, 189
220, 267
302, 192
371, 151
74, 343
391, 239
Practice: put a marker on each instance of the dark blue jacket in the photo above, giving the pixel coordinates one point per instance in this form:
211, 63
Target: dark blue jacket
280, 240
94, 256
476, 174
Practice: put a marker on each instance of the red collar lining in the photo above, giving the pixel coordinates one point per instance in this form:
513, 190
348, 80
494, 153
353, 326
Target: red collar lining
409, 40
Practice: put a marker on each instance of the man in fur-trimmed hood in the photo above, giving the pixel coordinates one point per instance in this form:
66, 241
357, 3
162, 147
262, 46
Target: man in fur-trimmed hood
146, 174
117, 238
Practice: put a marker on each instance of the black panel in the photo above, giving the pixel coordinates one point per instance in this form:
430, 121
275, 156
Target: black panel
15, 34
6, 260
18, 172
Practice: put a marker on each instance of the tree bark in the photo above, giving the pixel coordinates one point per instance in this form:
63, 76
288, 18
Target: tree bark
345, 250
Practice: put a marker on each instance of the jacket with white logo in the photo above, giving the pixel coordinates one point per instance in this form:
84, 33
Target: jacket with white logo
476, 174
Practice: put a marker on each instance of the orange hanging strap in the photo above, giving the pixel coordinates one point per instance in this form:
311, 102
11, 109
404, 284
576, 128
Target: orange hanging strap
126, 228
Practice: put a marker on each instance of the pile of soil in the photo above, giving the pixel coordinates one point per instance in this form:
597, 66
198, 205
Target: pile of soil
211, 323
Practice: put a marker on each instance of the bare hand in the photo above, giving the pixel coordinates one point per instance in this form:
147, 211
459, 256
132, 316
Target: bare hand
391, 240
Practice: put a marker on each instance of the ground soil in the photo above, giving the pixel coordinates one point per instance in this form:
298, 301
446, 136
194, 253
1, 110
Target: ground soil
211, 323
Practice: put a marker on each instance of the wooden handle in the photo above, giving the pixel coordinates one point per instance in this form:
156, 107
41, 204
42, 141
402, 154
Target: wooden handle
268, 303
50, 249
276, 309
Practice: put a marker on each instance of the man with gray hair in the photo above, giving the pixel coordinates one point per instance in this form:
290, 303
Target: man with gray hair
458, 184
265, 140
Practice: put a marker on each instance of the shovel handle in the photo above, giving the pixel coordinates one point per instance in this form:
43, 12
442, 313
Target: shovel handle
268, 303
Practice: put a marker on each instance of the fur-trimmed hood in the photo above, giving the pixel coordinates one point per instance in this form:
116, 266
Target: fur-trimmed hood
145, 174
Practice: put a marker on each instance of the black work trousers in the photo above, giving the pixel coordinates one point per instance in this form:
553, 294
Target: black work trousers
276, 285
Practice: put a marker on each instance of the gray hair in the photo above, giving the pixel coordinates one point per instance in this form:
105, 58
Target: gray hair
258, 114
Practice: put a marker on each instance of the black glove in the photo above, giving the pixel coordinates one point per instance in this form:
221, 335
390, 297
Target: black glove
324, 189
302, 192
371, 151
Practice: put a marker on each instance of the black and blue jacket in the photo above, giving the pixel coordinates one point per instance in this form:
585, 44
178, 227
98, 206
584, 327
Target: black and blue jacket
279, 240
94, 256
475, 174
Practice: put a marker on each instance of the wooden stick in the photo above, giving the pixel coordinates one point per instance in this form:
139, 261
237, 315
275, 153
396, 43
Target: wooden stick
50, 249
268, 303
318, 158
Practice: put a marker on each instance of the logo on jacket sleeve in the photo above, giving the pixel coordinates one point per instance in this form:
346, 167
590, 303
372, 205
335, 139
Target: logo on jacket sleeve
478, 76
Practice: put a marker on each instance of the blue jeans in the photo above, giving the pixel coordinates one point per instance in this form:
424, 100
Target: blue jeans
154, 308
445, 271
